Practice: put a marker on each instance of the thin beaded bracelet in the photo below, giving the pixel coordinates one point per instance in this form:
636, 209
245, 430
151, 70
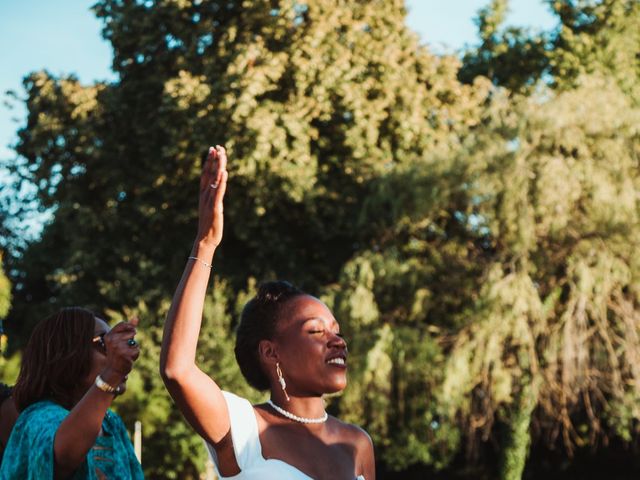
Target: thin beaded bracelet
201, 261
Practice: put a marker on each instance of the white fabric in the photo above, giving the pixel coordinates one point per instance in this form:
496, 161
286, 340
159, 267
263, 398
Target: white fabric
246, 445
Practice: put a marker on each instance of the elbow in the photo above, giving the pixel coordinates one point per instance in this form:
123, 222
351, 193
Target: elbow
167, 373
175, 369
170, 379
171, 374
174, 379
168, 369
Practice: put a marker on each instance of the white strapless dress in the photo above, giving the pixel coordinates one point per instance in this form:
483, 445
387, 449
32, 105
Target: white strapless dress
246, 444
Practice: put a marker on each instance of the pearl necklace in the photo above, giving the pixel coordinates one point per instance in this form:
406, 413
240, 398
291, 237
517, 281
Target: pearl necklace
296, 418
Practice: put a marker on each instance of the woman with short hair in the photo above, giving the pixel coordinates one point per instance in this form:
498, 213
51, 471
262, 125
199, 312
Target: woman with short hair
289, 343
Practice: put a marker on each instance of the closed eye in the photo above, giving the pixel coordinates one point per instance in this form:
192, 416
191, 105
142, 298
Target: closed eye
338, 334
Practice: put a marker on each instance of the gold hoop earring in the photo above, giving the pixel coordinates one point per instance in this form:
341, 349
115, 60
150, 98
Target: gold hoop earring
283, 384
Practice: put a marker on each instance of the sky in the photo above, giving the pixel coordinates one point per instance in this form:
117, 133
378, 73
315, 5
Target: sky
63, 37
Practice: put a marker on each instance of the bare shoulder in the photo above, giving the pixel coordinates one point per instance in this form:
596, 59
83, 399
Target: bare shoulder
364, 453
354, 435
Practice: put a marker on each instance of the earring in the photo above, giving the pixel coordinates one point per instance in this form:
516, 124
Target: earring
283, 384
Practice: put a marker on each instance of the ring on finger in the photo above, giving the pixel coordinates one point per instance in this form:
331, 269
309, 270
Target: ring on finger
132, 342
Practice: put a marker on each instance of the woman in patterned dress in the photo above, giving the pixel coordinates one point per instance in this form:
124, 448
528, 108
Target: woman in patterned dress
73, 367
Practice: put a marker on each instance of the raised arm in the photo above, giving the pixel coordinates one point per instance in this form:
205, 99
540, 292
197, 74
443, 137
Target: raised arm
198, 397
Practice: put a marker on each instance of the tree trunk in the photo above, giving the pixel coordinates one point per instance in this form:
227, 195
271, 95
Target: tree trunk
517, 438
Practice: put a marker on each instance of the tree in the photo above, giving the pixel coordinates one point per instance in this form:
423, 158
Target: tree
512, 57
601, 38
5, 303
591, 38
8, 367
316, 103
476, 243
499, 301
554, 335
5, 292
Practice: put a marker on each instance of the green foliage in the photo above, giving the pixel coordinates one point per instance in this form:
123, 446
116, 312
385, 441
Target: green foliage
10, 368
5, 291
512, 57
5, 306
558, 198
599, 38
477, 244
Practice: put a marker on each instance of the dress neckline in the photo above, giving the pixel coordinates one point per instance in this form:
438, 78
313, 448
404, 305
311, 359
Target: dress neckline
259, 445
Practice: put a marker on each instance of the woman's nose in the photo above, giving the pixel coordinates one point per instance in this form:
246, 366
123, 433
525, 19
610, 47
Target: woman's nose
338, 341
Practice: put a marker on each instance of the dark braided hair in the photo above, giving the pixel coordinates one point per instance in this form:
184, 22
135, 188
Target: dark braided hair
258, 322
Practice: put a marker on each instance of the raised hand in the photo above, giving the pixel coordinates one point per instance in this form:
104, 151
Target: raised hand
197, 395
213, 183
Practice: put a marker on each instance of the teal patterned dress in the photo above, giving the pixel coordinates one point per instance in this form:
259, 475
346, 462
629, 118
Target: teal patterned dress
29, 452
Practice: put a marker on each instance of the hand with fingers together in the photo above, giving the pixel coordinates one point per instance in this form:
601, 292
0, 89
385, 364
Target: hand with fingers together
213, 184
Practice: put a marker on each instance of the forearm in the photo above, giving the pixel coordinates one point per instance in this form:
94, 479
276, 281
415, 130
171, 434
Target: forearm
78, 432
182, 327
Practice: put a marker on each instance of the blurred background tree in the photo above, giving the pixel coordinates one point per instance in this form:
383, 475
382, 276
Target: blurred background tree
5, 303
472, 223
592, 37
5, 290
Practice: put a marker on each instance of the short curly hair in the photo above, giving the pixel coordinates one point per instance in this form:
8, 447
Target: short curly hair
258, 322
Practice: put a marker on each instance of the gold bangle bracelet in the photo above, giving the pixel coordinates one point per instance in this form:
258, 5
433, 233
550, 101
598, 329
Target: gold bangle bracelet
104, 386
